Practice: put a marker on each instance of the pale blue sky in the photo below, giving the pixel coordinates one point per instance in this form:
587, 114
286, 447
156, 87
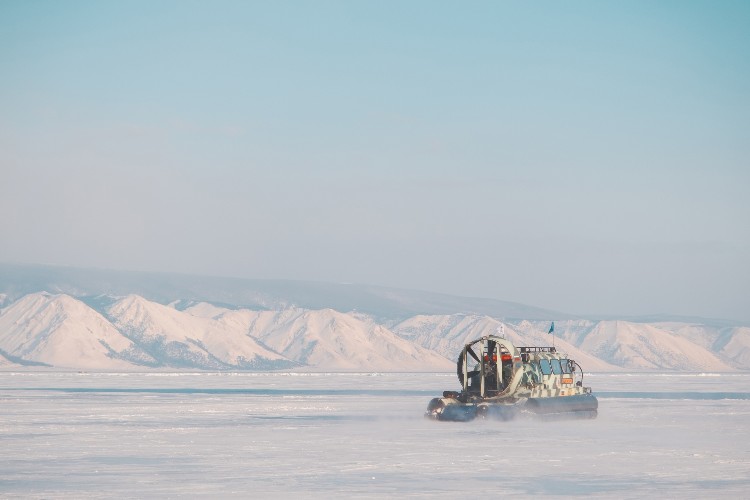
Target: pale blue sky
590, 157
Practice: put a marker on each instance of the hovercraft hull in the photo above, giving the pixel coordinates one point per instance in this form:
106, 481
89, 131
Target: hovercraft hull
563, 404
583, 406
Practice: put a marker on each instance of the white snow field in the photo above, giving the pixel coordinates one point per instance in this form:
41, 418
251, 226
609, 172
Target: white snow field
330, 435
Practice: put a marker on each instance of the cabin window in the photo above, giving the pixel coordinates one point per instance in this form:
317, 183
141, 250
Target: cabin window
556, 368
565, 365
545, 367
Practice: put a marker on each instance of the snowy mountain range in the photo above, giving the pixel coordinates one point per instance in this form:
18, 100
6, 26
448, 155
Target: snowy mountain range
111, 320
133, 333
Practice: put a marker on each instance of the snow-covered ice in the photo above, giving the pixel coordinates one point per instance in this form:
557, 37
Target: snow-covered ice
274, 435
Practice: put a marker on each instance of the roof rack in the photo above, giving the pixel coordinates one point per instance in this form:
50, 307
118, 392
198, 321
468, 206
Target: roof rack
525, 350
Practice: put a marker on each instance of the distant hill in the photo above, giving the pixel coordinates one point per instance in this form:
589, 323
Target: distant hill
17, 280
58, 330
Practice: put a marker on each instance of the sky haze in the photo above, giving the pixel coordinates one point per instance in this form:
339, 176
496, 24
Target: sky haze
587, 157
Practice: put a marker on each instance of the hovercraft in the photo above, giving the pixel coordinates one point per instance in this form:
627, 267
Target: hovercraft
506, 381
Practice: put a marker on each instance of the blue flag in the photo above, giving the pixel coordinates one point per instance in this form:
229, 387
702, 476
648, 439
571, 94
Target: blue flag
551, 327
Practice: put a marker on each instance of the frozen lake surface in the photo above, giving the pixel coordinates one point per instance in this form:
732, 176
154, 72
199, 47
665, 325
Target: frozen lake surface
282, 435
